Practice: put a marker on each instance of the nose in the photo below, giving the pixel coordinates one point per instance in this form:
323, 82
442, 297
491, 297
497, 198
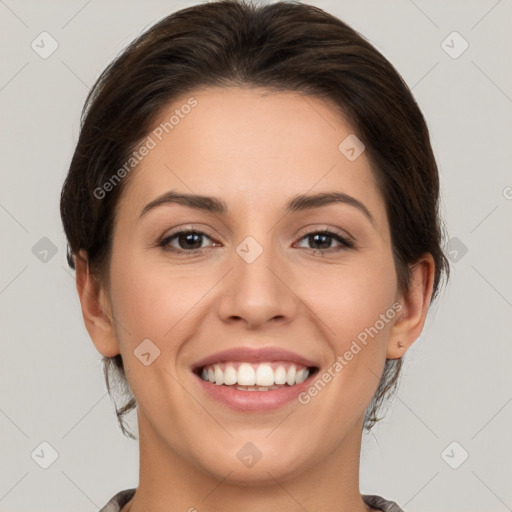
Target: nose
257, 292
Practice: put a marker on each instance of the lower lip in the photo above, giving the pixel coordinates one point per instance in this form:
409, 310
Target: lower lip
254, 400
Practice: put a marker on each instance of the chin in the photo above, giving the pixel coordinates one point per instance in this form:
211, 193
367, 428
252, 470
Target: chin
257, 463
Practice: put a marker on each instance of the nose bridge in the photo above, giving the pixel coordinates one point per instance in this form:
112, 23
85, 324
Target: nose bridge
255, 292
253, 262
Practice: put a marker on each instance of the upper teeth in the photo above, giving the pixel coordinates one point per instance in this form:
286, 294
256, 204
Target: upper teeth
247, 374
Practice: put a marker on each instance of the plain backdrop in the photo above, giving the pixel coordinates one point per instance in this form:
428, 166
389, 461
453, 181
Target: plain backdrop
445, 443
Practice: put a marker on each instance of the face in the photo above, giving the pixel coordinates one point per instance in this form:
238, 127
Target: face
253, 287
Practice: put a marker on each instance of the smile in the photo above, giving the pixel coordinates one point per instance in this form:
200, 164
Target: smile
274, 375
265, 376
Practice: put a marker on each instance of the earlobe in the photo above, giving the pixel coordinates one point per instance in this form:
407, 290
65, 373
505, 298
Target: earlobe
95, 308
415, 303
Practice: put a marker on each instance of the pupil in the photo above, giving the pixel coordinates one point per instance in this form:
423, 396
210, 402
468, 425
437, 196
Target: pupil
188, 238
317, 238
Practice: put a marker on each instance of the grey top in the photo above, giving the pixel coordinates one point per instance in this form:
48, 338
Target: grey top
120, 499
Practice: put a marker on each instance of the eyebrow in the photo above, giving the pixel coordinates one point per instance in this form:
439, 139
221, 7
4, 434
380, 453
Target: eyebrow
297, 203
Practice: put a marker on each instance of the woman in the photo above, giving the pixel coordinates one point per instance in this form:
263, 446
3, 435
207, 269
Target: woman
252, 213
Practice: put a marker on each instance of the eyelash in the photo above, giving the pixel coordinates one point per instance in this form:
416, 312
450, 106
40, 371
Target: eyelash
345, 242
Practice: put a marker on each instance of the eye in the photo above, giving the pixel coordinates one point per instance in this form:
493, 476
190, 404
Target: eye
187, 241
323, 241
191, 241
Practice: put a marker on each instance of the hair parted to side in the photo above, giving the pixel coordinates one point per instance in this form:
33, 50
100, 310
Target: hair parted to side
284, 46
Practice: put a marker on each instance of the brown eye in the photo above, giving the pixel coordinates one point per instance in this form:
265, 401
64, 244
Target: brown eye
323, 241
185, 241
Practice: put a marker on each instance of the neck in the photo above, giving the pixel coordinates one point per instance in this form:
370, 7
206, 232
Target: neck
168, 483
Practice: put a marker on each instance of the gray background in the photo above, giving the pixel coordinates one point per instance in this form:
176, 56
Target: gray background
456, 385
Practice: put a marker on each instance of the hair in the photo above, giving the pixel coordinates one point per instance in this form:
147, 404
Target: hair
282, 47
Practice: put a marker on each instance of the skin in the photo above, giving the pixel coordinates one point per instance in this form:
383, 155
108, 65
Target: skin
255, 150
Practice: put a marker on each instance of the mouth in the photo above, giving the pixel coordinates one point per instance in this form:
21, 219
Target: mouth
254, 379
247, 376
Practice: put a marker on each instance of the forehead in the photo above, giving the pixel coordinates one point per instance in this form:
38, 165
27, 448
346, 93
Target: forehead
253, 148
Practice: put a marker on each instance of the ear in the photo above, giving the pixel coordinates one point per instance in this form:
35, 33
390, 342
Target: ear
411, 319
95, 308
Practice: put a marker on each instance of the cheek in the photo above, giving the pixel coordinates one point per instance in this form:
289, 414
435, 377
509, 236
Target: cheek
355, 302
156, 304
350, 298
153, 301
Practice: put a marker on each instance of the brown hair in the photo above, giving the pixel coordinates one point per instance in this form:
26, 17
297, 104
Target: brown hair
284, 46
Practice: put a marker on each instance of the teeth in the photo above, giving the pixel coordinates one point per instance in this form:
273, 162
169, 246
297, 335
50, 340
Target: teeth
219, 375
246, 375
256, 388
280, 375
230, 376
290, 376
301, 375
255, 377
264, 375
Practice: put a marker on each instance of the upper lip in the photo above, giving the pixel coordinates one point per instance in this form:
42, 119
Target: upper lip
253, 355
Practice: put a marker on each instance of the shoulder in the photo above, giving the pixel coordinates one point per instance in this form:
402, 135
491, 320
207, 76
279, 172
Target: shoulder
380, 503
118, 501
